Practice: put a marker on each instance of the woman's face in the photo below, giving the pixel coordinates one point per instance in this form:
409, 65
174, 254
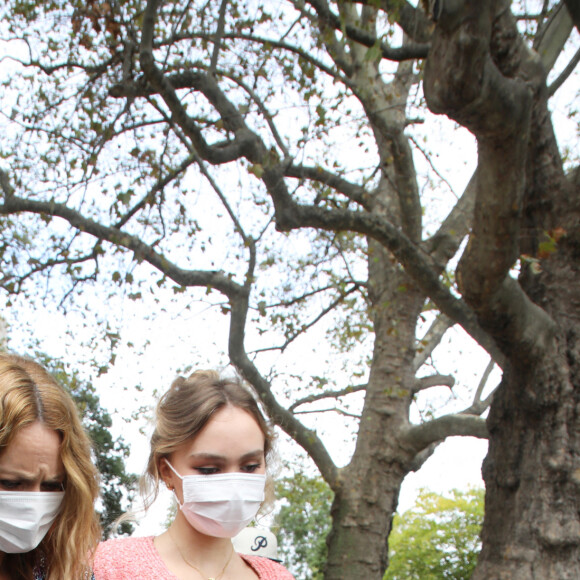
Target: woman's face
32, 462
232, 441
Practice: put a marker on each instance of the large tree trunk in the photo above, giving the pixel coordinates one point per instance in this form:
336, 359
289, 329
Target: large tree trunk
531, 528
532, 472
368, 495
525, 207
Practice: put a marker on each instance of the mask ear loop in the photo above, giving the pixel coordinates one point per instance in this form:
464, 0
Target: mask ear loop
172, 468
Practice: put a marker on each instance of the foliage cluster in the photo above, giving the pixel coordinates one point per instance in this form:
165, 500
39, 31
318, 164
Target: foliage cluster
302, 523
436, 539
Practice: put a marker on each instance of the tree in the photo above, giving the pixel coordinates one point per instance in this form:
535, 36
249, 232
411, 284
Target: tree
437, 538
269, 156
302, 523
117, 486
529, 470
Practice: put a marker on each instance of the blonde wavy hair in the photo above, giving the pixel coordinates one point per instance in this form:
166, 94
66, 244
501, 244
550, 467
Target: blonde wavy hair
28, 393
185, 409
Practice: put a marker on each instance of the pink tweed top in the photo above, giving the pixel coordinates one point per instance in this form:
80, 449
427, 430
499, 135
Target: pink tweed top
138, 559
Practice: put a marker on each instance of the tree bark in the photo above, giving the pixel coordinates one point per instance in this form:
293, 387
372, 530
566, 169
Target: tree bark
532, 471
368, 494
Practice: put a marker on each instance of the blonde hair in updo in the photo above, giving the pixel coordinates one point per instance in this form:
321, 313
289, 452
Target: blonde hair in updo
186, 408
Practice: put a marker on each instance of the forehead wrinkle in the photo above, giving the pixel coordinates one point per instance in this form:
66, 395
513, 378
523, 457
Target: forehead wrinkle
27, 476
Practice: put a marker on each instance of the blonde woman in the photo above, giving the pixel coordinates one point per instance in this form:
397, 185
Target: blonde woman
48, 484
211, 447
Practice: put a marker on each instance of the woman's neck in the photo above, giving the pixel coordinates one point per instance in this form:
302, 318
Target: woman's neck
199, 549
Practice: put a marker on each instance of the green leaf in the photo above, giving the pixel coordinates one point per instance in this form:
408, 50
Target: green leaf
256, 170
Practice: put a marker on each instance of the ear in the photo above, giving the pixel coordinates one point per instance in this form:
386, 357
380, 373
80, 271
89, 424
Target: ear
166, 473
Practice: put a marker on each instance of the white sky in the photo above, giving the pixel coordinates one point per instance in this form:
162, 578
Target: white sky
171, 341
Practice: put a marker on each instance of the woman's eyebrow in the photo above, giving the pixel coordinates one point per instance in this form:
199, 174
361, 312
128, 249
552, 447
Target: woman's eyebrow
207, 456
258, 454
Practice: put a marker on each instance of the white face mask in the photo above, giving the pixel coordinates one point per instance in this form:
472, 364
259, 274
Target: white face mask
25, 517
223, 504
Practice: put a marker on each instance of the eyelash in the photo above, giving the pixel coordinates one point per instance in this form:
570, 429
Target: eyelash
9, 485
207, 470
251, 468
56, 486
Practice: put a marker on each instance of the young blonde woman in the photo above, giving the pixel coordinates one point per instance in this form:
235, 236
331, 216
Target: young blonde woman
48, 484
211, 447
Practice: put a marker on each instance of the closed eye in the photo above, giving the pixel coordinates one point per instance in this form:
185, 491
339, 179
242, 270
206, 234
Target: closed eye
207, 470
52, 486
251, 468
9, 485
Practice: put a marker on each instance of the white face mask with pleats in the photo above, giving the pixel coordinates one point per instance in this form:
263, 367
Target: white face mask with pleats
26, 517
223, 504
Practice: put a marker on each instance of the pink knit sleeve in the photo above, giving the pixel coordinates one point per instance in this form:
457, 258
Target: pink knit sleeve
106, 558
129, 559
137, 559
267, 569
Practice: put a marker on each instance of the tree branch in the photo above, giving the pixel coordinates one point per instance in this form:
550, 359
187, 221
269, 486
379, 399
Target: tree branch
431, 340
409, 52
422, 456
149, 198
356, 193
483, 382
305, 327
445, 243
218, 36
433, 381
554, 36
327, 395
6, 281
435, 431
263, 109
526, 328
216, 154
5, 184
305, 437
185, 79
574, 10
420, 266
142, 251
497, 109
565, 74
